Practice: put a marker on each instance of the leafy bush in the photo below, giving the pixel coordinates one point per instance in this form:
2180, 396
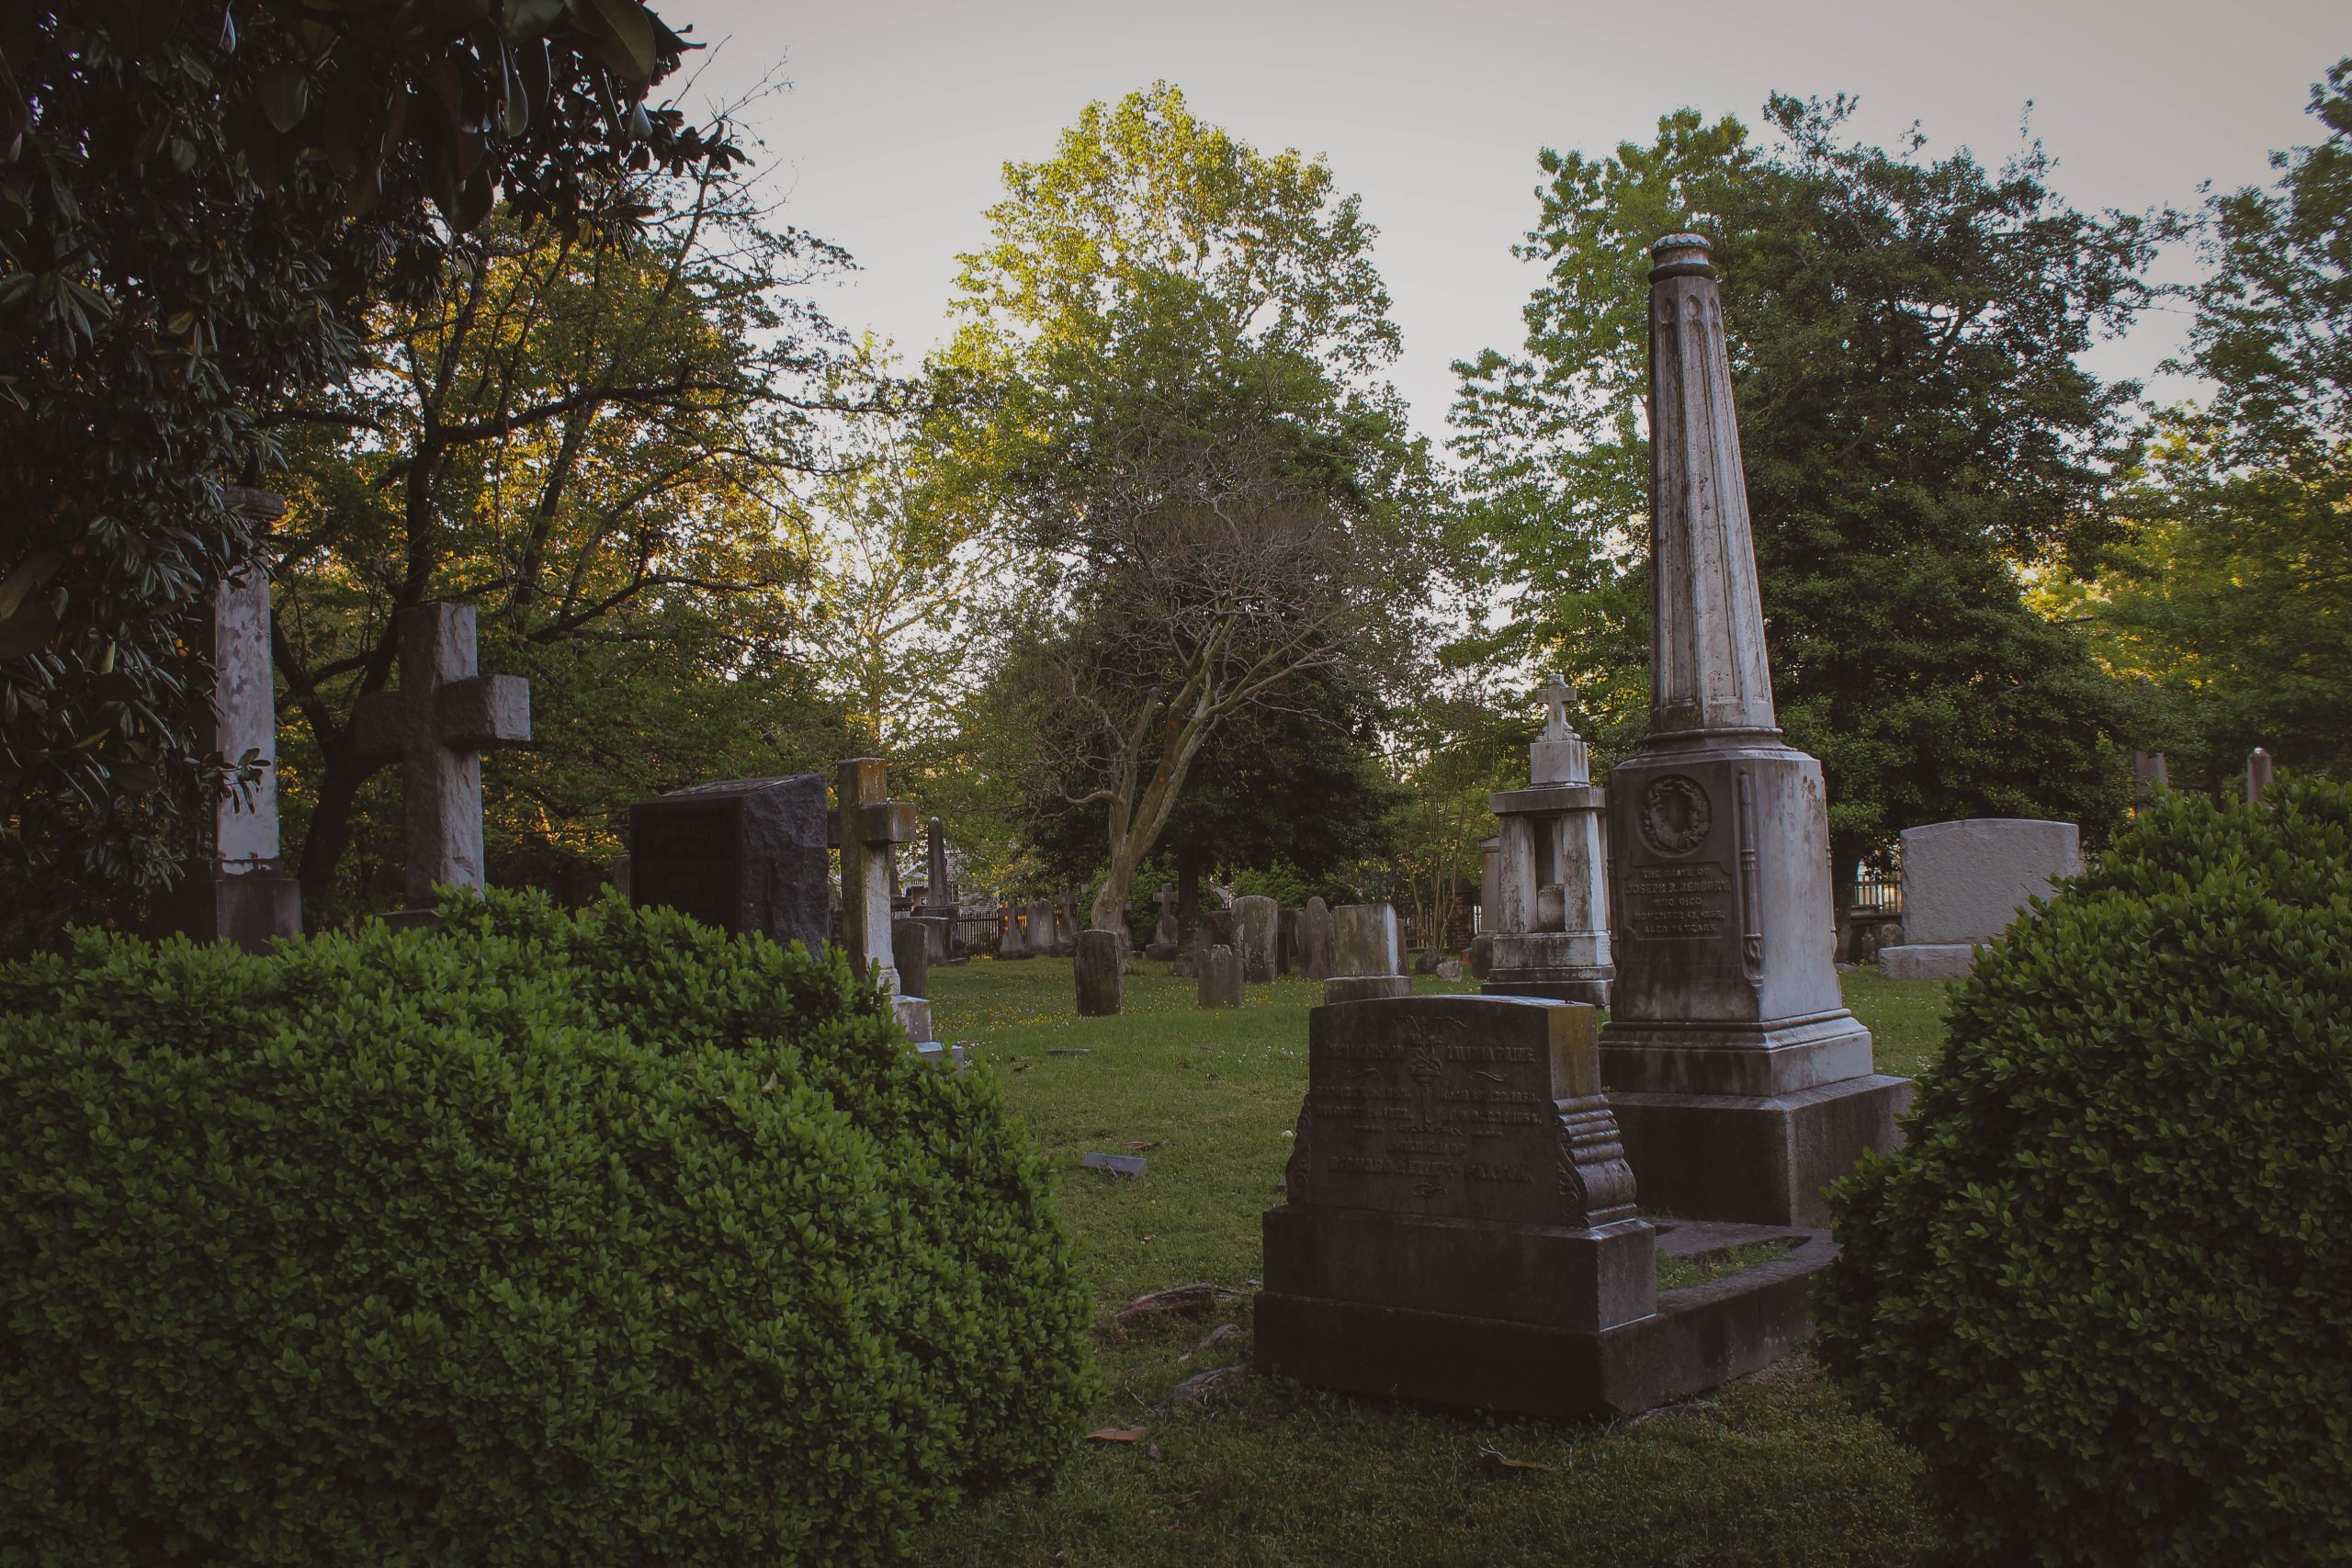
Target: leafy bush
540, 1238
2105, 1288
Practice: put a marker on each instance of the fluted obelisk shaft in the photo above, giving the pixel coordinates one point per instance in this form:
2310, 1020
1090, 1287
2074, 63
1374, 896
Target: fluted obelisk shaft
1708, 672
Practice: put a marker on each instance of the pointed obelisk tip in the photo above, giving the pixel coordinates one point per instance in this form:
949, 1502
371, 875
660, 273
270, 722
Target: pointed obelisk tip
1680, 255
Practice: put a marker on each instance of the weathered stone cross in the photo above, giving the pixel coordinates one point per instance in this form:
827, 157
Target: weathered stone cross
868, 828
436, 726
1557, 696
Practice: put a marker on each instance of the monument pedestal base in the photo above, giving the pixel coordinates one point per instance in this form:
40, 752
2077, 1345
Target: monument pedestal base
1928, 961
244, 910
1697, 1339
1762, 1159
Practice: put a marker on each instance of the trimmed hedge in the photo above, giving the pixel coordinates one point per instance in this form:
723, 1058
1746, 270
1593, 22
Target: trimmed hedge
538, 1238
2105, 1289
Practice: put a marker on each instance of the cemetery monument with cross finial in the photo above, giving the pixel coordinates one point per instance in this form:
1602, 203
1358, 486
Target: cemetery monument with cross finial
867, 827
1550, 923
1741, 1081
444, 716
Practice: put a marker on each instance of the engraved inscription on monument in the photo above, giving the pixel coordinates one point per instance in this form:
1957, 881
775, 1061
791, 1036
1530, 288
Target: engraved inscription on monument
1418, 1113
1691, 902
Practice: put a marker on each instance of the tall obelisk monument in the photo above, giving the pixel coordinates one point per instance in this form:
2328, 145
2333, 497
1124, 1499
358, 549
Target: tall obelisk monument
1740, 1081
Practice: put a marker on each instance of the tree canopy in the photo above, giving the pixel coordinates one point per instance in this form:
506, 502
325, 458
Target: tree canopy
197, 203
1165, 392
2233, 594
1918, 435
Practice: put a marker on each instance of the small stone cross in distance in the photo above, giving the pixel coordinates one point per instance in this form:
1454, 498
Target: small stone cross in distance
1557, 695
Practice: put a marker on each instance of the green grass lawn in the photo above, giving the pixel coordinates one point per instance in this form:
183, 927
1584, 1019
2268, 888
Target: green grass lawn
1774, 1469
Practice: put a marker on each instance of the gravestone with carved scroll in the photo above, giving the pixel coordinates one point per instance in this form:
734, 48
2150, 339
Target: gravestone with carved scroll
1460, 1225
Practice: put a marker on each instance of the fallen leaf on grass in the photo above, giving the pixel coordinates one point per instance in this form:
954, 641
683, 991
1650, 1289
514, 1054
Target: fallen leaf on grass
1151, 1452
1176, 1298
1218, 1335
1142, 1143
1491, 1459
1118, 1435
1200, 1386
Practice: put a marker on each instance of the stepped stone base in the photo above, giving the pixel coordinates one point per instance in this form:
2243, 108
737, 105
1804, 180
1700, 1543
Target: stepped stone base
1697, 1339
1761, 1160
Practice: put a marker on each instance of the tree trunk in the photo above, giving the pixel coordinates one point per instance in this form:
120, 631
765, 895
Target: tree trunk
1845, 865
1188, 896
330, 833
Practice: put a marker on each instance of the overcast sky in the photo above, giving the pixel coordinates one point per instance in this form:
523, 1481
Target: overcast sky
901, 115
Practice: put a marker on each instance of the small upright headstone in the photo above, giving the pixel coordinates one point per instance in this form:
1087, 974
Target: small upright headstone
1254, 915
436, 726
1066, 926
1097, 965
1366, 961
1009, 943
1286, 943
235, 888
1164, 938
1220, 980
743, 856
2259, 775
910, 952
2150, 772
1315, 940
1964, 882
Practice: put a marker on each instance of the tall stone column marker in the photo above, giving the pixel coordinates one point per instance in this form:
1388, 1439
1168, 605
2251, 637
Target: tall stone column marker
446, 713
1740, 1081
235, 888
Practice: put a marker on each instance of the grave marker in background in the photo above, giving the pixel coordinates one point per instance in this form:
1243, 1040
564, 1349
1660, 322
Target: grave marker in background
445, 714
1964, 882
235, 888
740, 855
1253, 918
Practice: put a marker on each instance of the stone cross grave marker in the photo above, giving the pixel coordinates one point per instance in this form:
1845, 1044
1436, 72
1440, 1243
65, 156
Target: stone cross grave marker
868, 828
1164, 940
436, 726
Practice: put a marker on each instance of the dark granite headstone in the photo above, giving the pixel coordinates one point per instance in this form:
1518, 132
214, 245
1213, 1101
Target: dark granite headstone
910, 952
744, 856
1097, 971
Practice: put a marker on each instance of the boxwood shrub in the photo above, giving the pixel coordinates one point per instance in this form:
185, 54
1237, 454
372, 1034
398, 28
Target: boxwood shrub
537, 1238
2105, 1289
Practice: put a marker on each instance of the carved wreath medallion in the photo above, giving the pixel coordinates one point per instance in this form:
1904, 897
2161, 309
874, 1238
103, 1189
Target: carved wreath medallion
1675, 814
